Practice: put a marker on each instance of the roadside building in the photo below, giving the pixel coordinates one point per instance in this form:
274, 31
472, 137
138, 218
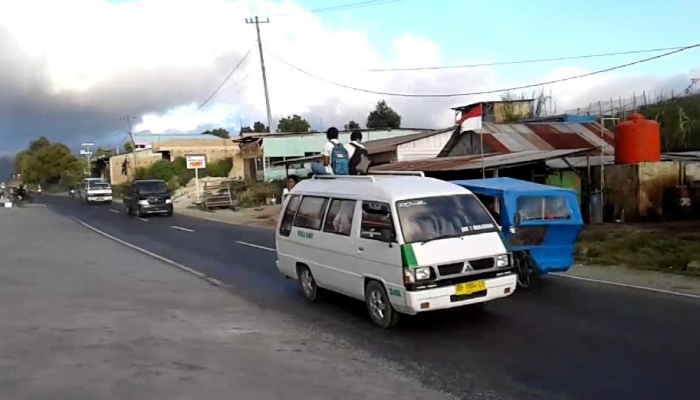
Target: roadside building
152, 148
272, 156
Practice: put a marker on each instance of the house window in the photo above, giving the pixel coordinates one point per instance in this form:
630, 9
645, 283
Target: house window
311, 153
272, 160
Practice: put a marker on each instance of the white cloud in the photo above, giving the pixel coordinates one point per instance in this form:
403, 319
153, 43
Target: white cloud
71, 68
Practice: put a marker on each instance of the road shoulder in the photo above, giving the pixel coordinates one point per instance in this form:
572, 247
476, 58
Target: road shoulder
86, 317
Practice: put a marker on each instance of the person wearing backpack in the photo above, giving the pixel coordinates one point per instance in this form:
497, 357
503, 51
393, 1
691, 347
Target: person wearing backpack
359, 160
335, 156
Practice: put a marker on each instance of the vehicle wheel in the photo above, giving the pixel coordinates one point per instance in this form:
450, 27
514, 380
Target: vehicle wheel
140, 213
308, 284
528, 274
109, 201
379, 306
169, 214
129, 211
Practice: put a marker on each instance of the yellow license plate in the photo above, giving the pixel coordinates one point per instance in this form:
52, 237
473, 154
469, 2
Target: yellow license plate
470, 287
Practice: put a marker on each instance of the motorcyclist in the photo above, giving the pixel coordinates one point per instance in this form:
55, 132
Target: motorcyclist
21, 192
71, 191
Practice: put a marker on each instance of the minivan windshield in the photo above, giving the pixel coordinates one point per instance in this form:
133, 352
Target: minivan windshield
431, 218
154, 187
99, 185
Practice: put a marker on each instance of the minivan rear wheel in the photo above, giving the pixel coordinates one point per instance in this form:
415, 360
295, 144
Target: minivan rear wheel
308, 284
380, 309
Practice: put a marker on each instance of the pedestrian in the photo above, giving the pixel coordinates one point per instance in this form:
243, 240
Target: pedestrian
357, 154
335, 155
292, 180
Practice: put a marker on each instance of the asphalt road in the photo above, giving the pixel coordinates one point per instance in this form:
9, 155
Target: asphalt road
570, 340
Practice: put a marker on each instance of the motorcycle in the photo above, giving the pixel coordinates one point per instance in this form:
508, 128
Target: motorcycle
71, 194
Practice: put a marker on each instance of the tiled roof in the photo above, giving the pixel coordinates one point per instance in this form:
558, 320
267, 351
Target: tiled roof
390, 144
547, 136
471, 162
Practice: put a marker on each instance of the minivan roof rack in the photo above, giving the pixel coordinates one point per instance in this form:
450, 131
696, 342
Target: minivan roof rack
410, 173
359, 177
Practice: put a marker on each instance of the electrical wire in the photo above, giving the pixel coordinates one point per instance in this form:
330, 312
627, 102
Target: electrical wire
225, 80
527, 61
445, 95
342, 7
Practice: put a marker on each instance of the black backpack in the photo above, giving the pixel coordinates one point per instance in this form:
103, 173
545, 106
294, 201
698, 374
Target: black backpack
356, 158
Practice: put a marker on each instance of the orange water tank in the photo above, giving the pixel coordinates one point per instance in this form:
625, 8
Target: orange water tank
637, 140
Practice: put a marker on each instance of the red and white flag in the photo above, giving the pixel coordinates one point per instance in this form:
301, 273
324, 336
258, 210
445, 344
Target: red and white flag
471, 121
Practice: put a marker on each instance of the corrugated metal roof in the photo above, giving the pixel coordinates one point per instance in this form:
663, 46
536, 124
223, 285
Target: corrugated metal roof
682, 156
471, 162
546, 136
390, 144
300, 134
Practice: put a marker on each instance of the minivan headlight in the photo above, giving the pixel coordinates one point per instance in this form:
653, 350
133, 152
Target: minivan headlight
168, 201
422, 274
143, 202
502, 260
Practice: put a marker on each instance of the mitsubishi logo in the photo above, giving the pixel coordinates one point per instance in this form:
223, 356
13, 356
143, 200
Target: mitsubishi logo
468, 267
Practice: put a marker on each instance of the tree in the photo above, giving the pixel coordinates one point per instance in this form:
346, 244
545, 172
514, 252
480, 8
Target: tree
128, 147
295, 123
220, 132
258, 127
383, 116
103, 152
46, 162
352, 125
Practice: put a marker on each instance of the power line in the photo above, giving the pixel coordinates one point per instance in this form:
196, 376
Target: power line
224, 82
526, 61
443, 95
348, 6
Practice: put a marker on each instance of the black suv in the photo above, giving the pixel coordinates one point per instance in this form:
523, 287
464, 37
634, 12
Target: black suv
148, 196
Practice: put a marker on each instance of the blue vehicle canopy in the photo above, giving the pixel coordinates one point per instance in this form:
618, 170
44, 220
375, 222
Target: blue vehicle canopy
547, 219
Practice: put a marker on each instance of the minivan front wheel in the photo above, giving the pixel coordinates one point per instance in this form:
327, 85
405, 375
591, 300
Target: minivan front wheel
379, 306
308, 284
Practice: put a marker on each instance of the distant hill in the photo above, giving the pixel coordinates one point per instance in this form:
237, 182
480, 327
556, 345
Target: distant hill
7, 166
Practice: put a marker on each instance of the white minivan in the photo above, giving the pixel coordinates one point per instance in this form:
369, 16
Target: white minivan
403, 244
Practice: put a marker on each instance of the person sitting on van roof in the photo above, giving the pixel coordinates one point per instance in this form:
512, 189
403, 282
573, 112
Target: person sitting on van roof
332, 136
356, 153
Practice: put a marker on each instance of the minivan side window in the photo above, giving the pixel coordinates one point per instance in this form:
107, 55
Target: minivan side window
339, 218
377, 223
311, 212
288, 217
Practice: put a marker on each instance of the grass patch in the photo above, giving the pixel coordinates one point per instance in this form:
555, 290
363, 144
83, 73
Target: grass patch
644, 250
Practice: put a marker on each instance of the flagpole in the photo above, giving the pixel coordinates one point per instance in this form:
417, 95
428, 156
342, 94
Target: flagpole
481, 147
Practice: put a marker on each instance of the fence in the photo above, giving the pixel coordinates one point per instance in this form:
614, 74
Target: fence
623, 107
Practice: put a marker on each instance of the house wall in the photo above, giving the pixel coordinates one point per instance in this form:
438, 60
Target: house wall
622, 184
638, 191
144, 159
655, 180
424, 148
692, 172
288, 147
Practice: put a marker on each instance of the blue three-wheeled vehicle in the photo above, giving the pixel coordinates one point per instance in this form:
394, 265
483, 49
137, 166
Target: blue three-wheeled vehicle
540, 223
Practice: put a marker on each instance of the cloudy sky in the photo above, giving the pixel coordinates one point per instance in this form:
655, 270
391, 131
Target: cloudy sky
71, 68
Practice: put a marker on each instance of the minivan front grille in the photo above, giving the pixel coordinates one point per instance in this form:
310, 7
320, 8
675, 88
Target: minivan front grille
451, 269
482, 264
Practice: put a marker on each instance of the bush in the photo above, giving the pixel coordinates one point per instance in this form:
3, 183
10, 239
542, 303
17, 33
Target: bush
219, 168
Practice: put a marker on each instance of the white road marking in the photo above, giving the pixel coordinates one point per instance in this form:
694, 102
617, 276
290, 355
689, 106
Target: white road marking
649, 289
143, 219
114, 211
257, 246
175, 264
181, 228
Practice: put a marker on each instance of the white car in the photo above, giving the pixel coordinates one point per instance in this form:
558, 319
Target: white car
403, 244
95, 190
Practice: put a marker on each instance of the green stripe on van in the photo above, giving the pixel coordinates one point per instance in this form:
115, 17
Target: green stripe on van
408, 257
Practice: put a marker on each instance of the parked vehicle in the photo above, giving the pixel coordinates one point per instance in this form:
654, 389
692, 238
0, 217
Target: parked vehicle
97, 191
540, 223
403, 244
148, 196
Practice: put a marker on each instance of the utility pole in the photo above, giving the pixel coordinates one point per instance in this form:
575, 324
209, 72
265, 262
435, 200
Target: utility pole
257, 23
133, 143
87, 153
